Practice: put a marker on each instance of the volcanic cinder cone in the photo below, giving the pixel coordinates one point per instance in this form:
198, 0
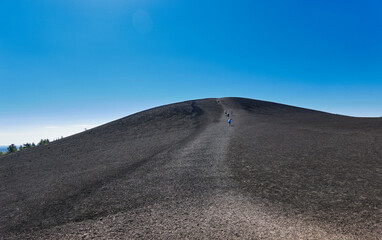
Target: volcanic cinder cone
180, 171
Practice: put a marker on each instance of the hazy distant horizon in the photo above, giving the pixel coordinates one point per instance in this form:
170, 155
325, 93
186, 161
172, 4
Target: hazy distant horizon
3, 148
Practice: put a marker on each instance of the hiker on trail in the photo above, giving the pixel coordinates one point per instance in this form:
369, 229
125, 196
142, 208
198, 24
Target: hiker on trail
229, 122
227, 114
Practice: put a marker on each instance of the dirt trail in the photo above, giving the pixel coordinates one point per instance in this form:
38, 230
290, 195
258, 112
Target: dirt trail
201, 164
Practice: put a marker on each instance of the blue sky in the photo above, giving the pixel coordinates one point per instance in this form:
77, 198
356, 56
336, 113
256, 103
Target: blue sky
68, 64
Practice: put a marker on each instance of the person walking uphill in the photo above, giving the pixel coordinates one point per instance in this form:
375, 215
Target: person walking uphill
229, 122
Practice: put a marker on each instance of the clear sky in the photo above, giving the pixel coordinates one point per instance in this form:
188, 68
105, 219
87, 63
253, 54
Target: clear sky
66, 65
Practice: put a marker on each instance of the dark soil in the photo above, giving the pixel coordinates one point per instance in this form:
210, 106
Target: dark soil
179, 171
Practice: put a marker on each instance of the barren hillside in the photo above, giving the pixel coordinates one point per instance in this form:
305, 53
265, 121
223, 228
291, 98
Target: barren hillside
179, 171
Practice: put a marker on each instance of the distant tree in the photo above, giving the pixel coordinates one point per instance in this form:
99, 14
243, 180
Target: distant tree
1, 153
43, 141
21, 148
33, 145
12, 148
27, 145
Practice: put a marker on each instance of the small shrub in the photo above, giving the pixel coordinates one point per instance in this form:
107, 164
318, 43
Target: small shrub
12, 148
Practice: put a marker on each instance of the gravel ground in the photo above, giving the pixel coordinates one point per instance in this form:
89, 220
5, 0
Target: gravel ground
180, 172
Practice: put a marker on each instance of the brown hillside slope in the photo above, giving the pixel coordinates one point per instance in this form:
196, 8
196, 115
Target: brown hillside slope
179, 171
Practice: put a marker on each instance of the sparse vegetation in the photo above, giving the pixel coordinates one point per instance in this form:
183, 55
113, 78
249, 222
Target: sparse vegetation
13, 148
43, 141
27, 145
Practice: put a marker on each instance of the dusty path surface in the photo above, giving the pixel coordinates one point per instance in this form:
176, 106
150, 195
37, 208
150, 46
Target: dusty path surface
187, 175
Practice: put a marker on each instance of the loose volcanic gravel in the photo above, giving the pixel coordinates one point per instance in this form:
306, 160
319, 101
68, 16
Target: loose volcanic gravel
181, 172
